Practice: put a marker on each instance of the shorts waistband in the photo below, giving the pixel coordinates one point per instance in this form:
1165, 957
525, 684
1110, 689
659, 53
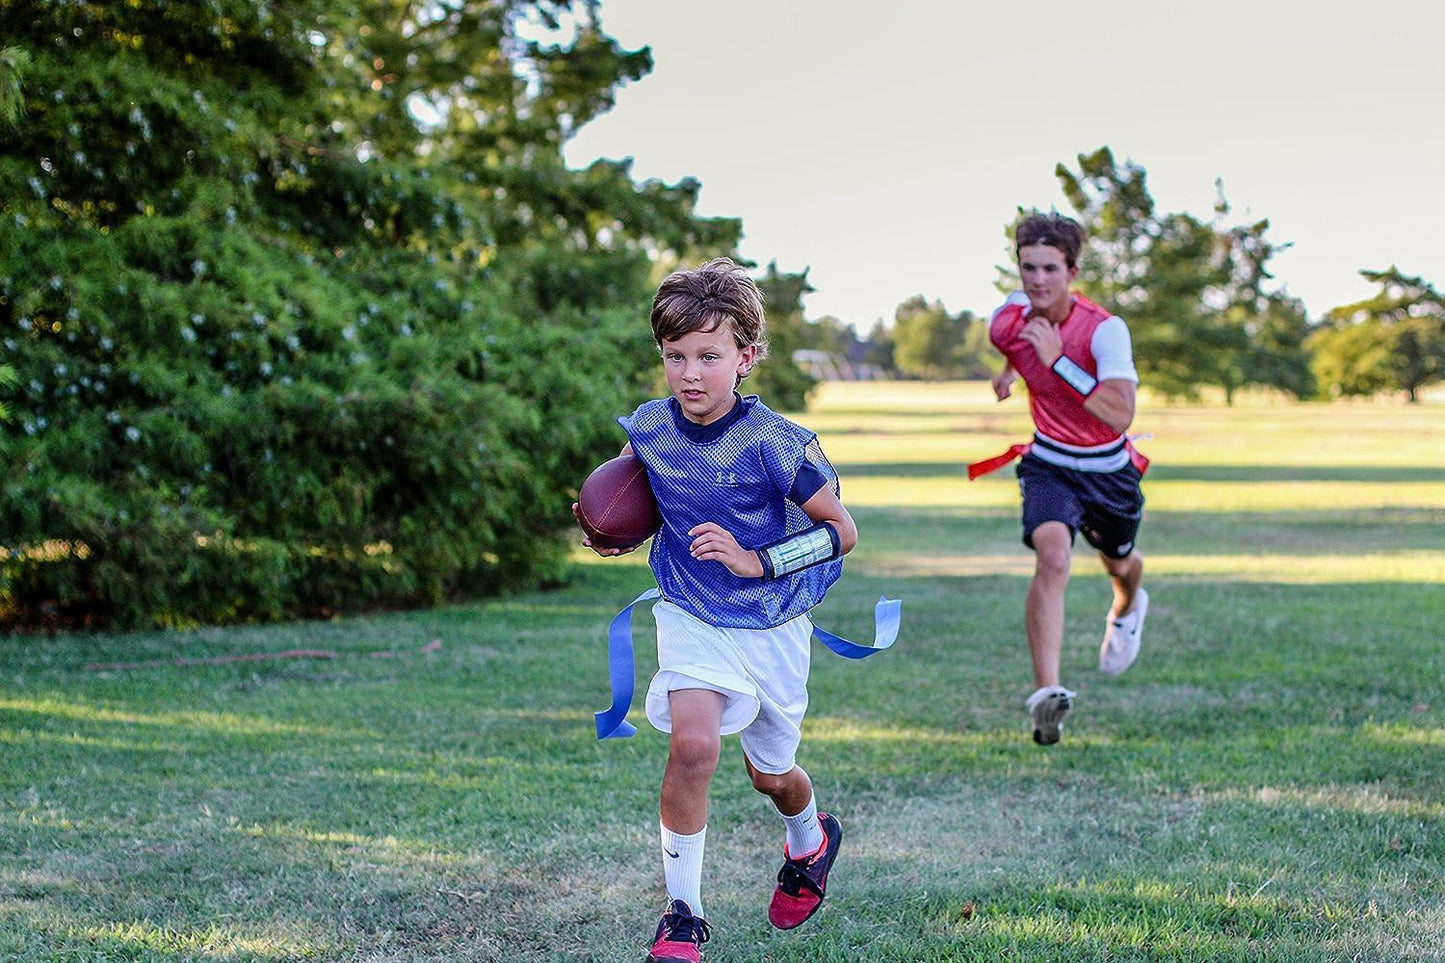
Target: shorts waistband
1110, 456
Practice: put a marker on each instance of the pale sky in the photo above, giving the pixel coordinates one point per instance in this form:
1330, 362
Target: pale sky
887, 155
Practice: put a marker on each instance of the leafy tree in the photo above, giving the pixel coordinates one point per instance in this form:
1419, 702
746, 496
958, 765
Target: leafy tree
1195, 292
779, 382
840, 341
975, 356
13, 64
1278, 354
932, 344
306, 310
1272, 325
880, 347
8, 379
1394, 341
924, 335
830, 334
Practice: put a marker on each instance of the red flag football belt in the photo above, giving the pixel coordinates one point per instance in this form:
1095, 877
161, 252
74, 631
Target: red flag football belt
980, 468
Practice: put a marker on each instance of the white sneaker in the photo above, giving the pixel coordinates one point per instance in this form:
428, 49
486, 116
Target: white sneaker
1047, 708
1122, 636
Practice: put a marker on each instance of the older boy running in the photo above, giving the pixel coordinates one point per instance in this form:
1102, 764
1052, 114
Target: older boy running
1080, 473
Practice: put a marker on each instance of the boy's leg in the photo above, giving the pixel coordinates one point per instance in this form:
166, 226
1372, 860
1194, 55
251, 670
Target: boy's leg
792, 796
692, 758
1125, 574
810, 850
1052, 512
1124, 623
1044, 609
1111, 525
1053, 543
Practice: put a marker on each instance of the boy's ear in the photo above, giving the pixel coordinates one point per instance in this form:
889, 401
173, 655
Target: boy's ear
749, 358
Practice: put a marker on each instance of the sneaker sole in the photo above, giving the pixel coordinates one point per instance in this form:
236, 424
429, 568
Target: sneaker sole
1048, 730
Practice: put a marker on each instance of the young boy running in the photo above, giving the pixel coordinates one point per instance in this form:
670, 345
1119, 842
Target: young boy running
753, 535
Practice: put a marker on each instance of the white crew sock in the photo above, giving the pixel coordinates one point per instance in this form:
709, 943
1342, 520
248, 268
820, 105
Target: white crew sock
682, 867
804, 833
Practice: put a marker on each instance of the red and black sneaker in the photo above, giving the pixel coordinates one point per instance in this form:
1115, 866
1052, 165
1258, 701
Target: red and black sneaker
802, 882
680, 936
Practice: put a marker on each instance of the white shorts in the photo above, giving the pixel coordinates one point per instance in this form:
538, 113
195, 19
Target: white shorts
763, 673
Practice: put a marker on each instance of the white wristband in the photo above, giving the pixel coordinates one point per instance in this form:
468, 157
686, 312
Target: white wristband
809, 547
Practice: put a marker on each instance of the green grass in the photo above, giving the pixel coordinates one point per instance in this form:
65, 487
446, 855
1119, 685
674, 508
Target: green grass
1267, 783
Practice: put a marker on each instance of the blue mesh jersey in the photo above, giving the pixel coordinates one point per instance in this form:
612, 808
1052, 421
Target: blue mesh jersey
740, 479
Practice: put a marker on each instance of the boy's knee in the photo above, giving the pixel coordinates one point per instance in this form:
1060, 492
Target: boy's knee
1122, 567
1052, 560
771, 783
695, 752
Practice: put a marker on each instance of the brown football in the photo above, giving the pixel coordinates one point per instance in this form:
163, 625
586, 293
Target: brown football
616, 505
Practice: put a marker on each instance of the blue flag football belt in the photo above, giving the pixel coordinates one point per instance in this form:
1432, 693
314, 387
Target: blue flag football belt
612, 722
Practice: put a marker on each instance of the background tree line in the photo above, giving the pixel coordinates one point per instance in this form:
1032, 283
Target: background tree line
302, 311
1202, 306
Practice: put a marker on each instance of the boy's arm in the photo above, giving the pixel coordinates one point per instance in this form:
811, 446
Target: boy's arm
825, 506
1003, 381
1112, 402
710, 541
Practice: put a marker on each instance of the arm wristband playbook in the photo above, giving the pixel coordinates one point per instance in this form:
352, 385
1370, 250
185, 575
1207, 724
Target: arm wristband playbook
809, 547
1074, 376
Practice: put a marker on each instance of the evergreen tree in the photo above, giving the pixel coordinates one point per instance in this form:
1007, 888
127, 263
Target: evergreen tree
306, 310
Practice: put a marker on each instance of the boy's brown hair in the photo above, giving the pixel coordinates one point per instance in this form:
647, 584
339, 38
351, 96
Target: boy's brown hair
1053, 229
704, 298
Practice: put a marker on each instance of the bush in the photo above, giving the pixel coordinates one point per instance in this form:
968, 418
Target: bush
259, 374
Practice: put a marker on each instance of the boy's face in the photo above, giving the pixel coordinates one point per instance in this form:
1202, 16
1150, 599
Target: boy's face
703, 368
1046, 276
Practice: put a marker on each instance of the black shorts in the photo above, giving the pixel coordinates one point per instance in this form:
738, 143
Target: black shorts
1105, 506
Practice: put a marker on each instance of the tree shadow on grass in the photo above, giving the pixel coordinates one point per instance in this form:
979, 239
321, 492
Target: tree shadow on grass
1384, 474
957, 533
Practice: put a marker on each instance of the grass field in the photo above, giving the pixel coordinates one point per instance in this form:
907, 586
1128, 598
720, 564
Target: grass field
1266, 784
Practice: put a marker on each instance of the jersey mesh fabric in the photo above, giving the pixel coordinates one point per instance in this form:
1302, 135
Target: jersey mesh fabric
739, 480
1057, 409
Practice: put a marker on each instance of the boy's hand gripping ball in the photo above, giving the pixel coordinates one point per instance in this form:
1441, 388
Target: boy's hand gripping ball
615, 505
